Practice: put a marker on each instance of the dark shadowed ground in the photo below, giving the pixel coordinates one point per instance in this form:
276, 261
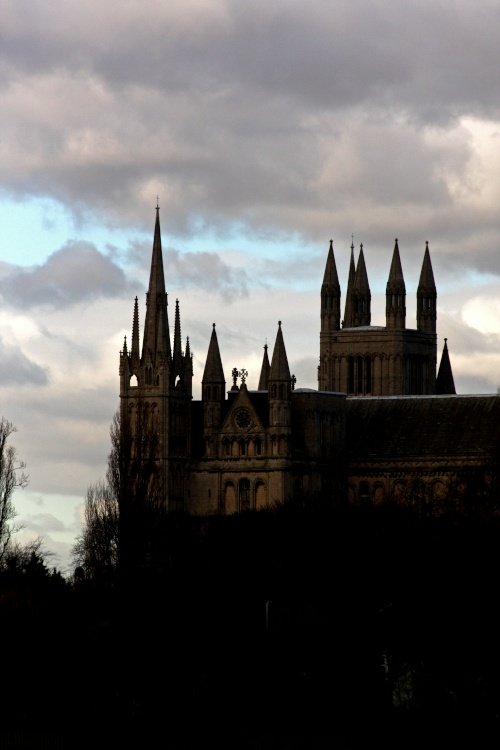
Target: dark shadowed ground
301, 628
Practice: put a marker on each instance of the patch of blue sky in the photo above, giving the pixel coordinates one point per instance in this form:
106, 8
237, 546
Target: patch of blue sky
32, 229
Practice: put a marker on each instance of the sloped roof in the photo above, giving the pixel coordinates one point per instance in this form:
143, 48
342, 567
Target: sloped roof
406, 428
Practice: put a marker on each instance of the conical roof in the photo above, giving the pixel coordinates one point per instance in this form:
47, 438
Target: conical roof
396, 280
361, 285
426, 282
264, 372
348, 311
444, 381
156, 323
330, 277
279, 362
214, 372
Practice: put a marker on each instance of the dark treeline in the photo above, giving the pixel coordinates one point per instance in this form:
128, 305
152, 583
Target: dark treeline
295, 627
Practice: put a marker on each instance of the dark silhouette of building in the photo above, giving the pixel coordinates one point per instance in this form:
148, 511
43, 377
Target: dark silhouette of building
380, 427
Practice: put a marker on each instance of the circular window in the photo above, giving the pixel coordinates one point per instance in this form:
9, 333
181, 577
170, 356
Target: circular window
242, 418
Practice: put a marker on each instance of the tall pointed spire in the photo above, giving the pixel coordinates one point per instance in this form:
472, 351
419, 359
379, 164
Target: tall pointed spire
188, 369
156, 325
330, 295
395, 293
135, 330
348, 321
361, 296
264, 372
444, 381
280, 397
177, 352
214, 372
426, 296
279, 364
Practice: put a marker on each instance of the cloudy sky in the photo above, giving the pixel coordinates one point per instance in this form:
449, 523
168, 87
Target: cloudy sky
265, 128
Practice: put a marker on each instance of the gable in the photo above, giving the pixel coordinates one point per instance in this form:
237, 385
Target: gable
242, 416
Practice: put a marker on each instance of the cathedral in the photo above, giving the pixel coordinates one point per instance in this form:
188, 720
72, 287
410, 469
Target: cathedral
382, 425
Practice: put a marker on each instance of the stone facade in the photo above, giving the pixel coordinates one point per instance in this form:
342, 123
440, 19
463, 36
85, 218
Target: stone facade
380, 427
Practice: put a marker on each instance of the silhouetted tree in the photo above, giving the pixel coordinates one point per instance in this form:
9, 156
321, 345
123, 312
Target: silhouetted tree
96, 549
11, 476
28, 558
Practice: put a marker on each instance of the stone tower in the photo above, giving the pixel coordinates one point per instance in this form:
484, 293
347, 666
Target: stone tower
365, 360
155, 396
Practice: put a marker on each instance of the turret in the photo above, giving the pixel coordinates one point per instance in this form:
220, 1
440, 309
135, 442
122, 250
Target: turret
264, 371
330, 295
395, 294
348, 321
426, 296
177, 356
135, 334
361, 297
280, 389
445, 383
188, 370
213, 384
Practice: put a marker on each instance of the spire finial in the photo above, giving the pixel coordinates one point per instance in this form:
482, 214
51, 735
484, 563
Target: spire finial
157, 203
279, 323
331, 244
213, 326
352, 241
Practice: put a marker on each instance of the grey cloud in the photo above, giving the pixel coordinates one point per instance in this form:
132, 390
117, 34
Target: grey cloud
18, 369
330, 55
92, 404
206, 270
42, 523
200, 270
75, 273
297, 120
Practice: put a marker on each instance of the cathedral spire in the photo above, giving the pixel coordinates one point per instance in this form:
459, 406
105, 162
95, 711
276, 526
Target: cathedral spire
177, 353
264, 372
279, 364
330, 295
348, 321
214, 372
156, 324
361, 297
444, 381
135, 330
395, 293
426, 296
